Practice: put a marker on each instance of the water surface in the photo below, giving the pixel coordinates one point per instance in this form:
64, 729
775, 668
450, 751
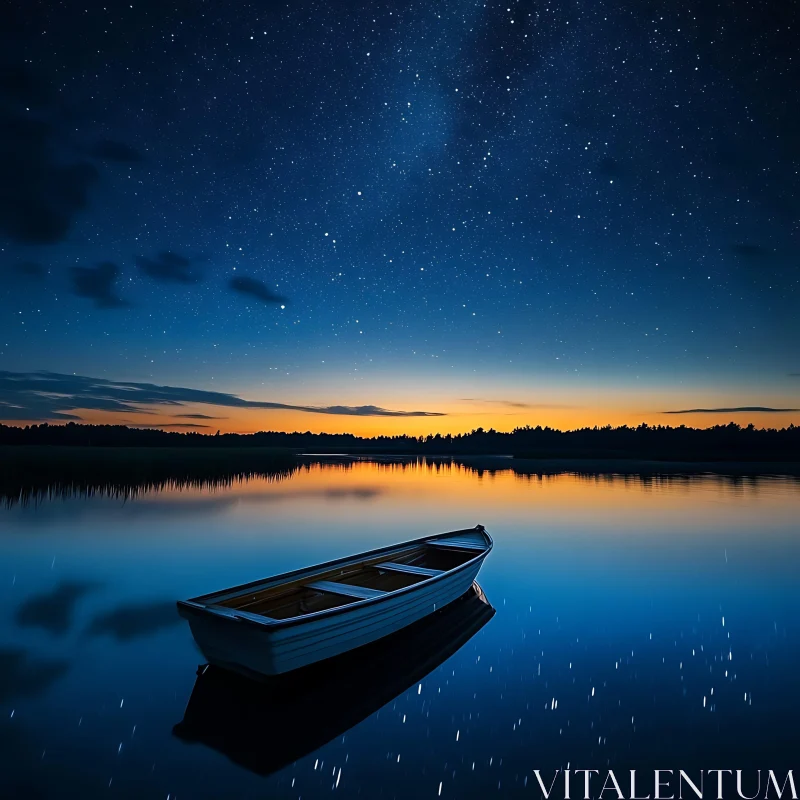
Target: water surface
638, 622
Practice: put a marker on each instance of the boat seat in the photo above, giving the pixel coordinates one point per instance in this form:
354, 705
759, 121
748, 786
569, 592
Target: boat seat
361, 592
393, 567
457, 544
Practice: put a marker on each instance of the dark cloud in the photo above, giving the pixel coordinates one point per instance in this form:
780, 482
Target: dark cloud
45, 180
41, 187
355, 493
38, 197
196, 416
23, 676
509, 403
364, 411
135, 621
359, 493
254, 288
97, 283
109, 150
168, 267
169, 425
754, 252
30, 269
737, 410
513, 403
53, 610
40, 396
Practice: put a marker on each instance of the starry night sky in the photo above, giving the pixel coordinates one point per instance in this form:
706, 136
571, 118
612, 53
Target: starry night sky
507, 213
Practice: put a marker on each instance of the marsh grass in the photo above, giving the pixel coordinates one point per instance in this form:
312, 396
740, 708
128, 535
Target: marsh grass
30, 474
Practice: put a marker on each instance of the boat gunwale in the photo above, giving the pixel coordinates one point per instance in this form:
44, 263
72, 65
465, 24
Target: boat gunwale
198, 606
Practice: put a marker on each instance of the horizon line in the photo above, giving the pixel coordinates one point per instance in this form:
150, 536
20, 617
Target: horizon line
184, 432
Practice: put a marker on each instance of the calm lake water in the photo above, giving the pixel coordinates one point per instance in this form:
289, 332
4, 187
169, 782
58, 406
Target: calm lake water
638, 623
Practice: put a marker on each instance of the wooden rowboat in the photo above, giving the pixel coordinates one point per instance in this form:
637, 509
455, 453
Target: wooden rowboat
239, 717
288, 621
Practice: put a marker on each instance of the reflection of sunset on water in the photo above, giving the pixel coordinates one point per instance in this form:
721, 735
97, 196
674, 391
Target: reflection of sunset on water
440, 479
395, 499
610, 582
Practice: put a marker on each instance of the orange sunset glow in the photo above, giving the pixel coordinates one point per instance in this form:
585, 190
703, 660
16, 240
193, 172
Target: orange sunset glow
458, 417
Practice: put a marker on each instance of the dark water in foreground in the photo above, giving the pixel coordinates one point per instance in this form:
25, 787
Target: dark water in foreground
637, 624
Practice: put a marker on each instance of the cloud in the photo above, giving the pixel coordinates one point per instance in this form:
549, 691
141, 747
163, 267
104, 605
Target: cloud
169, 425
751, 251
513, 403
108, 150
40, 396
23, 676
362, 411
134, 621
97, 283
45, 178
30, 269
255, 288
41, 188
53, 610
196, 416
168, 267
737, 410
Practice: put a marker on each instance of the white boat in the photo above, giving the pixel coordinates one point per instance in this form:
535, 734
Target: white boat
238, 717
288, 621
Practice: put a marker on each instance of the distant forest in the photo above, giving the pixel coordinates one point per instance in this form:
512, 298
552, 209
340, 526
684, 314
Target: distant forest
719, 443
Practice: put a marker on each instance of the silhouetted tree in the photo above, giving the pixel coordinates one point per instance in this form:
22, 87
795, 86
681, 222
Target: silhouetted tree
728, 442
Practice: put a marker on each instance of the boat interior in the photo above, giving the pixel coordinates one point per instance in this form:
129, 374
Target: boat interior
349, 583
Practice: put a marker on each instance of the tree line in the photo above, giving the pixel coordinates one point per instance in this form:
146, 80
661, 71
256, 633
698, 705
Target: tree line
729, 442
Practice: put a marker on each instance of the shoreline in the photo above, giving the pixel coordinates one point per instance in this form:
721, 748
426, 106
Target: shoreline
33, 473
610, 466
52, 458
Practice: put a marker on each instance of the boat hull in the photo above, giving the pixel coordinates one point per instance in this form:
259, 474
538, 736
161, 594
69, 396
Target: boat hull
238, 717
252, 649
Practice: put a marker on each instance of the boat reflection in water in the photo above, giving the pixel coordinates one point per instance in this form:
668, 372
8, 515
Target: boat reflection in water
263, 725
